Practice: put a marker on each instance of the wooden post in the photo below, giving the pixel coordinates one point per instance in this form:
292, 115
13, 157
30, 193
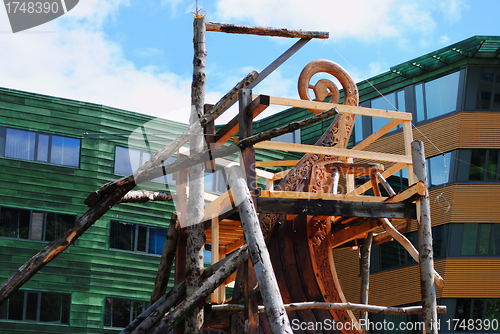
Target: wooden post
271, 296
365, 274
426, 257
196, 232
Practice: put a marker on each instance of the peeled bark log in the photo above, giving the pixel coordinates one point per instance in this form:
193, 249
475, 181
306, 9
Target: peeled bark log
143, 196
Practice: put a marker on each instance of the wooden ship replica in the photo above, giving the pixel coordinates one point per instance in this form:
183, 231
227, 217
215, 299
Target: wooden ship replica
275, 245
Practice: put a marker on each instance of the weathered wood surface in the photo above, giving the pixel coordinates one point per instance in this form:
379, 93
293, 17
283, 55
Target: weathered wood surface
264, 31
365, 274
143, 196
166, 261
426, 257
195, 247
319, 207
335, 306
198, 297
271, 296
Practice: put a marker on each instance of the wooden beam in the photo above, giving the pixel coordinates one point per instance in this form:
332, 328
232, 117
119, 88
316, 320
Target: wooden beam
336, 208
224, 203
280, 175
234, 246
258, 105
264, 31
409, 194
320, 195
352, 232
360, 169
276, 163
339, 152
343, 108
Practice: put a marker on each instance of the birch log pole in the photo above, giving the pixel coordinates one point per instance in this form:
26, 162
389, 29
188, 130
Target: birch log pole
196, 232
365, 273
271, 296
426, 257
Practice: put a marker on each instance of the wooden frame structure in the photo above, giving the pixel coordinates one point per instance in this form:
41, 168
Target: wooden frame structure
306, 199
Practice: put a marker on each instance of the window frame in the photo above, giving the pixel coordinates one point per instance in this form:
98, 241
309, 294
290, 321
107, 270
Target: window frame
131, 313
135, 237
36, 154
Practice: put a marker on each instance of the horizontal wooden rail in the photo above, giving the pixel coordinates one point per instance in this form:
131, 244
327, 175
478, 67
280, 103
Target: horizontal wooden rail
321, 195
340, 152
346, 109
264, 31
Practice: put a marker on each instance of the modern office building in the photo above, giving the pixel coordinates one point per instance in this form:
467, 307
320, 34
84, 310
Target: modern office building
54, 152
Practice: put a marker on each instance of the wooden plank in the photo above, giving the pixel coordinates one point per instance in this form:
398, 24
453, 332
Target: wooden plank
264, 31
215, 255
280, 175
223, 203
277, 163
336, 208
234, 245
209, 132
354, 169
353, 232
320, 195
339, 152
409, 194
343, 108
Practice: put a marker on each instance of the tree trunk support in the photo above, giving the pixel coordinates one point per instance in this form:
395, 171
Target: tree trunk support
426, 256
268, 285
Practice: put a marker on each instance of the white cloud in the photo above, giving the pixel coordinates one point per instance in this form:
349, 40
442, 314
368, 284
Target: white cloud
77, 61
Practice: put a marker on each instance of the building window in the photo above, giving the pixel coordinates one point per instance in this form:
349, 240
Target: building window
486, 309
34, 146
49, 307
137, 238
488, 92
33, 225
480, 240
121, 312
438, 169
128, 160
436, 97
393, 102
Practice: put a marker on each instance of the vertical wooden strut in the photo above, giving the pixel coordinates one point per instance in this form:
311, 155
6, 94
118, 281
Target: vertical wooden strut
365, 275
271, 296
426, 257
196, 233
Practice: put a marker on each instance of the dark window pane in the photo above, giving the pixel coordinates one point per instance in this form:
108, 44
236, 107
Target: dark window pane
57, 224
477, 312
437, 241
31, 305
441, 95
477, 165
358, 129
42, 149
492, 166
496, 101
387, 102
65, 151
16, 302
496, 240
157, 238
20, 144
401, 101
4, 310
391, 255
484, 239
142, 238
486, 76
65, 308
14, 223
469, 239
463, 308
37, 225
117, 312
122, 235
138, 308
50, 307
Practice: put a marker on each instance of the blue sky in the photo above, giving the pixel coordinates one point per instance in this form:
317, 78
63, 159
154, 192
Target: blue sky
137, 55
